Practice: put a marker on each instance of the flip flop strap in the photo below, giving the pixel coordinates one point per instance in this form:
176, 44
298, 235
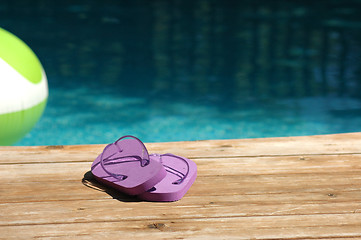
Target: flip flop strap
120, 177
107, 161
144, 161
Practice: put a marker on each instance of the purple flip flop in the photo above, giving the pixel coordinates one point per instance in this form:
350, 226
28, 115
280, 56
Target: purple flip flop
125, 166
181, 173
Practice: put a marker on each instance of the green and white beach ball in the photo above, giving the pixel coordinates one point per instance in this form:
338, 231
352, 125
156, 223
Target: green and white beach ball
23, 88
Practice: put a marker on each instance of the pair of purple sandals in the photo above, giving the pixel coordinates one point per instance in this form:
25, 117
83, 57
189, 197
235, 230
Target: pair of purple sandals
127, 166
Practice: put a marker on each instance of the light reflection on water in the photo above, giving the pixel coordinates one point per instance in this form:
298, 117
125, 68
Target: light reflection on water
186, 70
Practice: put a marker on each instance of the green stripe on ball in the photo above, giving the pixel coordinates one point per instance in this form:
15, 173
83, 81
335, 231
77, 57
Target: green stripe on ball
13, 126
18, 55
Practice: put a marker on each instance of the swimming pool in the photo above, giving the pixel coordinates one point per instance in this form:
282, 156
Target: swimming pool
192, 70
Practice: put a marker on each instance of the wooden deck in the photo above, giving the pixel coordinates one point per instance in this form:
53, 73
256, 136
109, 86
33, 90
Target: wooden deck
276, 188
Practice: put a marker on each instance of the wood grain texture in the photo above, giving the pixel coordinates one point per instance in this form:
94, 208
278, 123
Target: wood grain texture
275, 188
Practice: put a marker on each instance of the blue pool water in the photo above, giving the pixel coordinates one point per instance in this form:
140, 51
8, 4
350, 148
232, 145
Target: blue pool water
192, 70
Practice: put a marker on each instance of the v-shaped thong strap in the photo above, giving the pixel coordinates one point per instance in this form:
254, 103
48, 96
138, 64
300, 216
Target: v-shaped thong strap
125, 165
118, 156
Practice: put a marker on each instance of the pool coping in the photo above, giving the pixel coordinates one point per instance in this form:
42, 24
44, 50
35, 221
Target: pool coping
264, 188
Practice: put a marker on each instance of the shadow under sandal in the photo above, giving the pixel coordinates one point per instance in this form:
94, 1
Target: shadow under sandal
125, 166
181, 174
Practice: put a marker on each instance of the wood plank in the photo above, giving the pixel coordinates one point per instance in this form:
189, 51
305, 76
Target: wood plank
272, 227
103, 209
300, 146
271, 172
289, 188
206, 166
